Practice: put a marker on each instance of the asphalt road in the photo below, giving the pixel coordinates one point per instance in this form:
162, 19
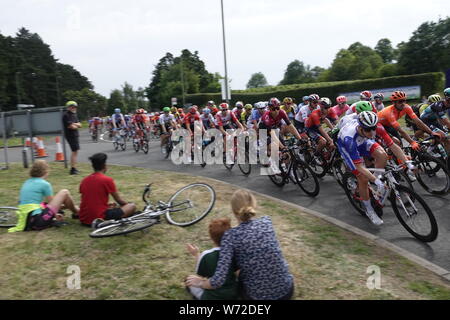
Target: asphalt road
330, 201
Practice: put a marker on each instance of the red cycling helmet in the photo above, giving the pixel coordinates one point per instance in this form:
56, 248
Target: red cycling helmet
214, 110
274, 102
398, 95
366, 95
193, 109
341, 99
223, 106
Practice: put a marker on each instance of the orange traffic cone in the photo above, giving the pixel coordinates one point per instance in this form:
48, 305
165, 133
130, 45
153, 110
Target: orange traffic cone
41, 149
59, 151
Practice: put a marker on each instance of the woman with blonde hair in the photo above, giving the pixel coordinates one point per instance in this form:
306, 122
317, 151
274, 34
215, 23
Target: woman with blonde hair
38, 207
252, 245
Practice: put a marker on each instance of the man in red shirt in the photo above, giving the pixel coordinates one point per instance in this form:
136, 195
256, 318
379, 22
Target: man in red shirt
95, 190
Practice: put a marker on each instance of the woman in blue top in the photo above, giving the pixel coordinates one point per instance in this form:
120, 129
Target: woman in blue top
264, 273
37, 201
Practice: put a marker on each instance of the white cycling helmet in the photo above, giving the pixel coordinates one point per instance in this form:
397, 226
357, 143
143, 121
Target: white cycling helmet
368, 119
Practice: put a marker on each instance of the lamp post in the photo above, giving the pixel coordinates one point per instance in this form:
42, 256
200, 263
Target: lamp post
224, 54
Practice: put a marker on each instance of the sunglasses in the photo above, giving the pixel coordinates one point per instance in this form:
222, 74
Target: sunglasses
370, 129
401, 101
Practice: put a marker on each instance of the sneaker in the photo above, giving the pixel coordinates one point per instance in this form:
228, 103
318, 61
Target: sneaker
374, 218
74, 171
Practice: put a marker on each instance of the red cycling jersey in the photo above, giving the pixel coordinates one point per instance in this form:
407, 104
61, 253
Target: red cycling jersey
224, 120
189, 118
383, 135
271, 122
315, 119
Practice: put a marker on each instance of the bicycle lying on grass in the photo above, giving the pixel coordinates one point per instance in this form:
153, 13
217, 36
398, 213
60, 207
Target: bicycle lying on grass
8, 217
187, 206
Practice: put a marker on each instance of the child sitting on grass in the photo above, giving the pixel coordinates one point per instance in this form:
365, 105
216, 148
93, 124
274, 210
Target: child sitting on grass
207, 263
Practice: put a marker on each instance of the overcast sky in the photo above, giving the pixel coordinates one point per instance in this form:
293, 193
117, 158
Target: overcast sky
115, 41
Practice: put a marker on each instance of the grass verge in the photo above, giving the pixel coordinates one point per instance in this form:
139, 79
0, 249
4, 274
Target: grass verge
326, 261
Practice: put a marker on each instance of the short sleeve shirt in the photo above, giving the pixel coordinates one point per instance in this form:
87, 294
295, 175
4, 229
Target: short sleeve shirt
68, 119
95, 190
33, 191
389, 116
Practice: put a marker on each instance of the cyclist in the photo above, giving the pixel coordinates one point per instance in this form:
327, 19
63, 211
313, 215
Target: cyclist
418, 110
207, 119
257, 112
238, 109
363, 96
378, 103
288, 107
140, 122
314, 129
380, 134
438, 114
167, 123
118, 121
341, 106
305, 101
305, 111
226, 119
180, 117
245, 115
210, 104
389, 116
190, 119
355, 141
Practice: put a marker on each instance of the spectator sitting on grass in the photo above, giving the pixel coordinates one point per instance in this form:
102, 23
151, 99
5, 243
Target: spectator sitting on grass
38, 208
263, 272
207, 263
95, 190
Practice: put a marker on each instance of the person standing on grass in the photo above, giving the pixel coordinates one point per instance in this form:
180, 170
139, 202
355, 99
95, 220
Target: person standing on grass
38, 207
263, 272
95, 190
71, 125
206, 264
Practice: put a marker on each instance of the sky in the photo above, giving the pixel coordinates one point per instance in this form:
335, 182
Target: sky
115, 41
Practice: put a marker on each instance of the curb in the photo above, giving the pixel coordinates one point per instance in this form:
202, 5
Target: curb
441, 272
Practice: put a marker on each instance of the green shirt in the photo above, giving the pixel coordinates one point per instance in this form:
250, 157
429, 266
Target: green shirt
206, 267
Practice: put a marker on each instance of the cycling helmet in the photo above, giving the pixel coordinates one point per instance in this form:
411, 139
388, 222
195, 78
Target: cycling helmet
362, 106
287, 100
341, 99
434, 98
261, 105
447, 93
138, 111
326, 102
314, 97
398, 95
274, 102
223, 106
173, 109
166, 109
239, 104
379, 95
180, 110
206, 111
214, 110
116, 110
305, 98
368, 119
366, 95
71, 103
248, 106
210, 103
156, 113
193, 109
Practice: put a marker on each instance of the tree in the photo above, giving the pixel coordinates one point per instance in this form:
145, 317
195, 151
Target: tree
385, 50
257, 80
90, 103
427, 50
115, 100
297, 72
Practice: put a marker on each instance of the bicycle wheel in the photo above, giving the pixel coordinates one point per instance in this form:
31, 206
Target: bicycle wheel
145, 146
350, 185
8, 217
414, 214
115, 145
433, 175
123, 144
190, 204
316, 165
339, 170
123, 226
136, 146
246, 168
305, 178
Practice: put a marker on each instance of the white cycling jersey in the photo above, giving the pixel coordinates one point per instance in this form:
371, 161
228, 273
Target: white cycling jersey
165, 119
303, 113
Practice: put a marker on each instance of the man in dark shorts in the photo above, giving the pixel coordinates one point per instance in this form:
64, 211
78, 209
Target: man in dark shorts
95, 190
71, 125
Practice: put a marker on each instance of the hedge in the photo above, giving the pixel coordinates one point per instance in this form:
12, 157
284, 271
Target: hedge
430, 83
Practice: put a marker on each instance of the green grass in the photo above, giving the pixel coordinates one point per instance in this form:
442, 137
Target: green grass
326, 261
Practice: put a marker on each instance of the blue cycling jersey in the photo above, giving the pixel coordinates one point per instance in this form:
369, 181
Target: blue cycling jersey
435, 111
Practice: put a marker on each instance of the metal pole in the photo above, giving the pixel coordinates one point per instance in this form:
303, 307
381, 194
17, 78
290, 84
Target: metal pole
224, 54
5, 141
63, 142
30, 132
